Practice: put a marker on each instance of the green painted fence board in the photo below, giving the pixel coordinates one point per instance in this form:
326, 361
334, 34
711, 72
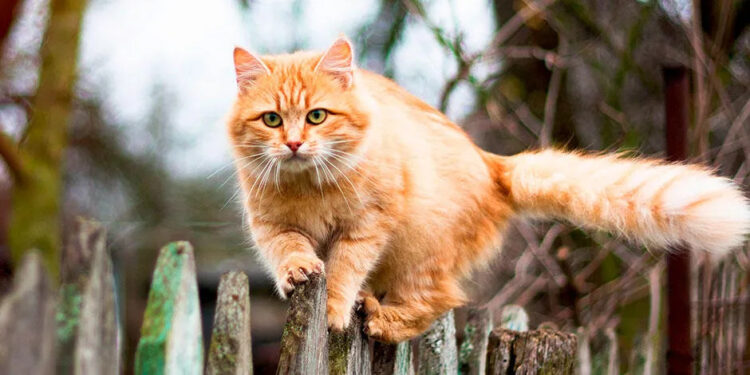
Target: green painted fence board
171, 338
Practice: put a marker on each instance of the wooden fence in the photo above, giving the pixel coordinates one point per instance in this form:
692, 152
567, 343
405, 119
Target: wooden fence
75, 329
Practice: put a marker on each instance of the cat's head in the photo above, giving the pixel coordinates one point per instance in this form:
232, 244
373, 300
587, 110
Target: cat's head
297, 113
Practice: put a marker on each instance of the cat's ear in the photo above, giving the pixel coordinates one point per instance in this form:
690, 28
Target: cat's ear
338, 61
248, 68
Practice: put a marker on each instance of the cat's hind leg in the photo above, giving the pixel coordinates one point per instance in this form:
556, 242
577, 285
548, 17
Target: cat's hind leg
404, 316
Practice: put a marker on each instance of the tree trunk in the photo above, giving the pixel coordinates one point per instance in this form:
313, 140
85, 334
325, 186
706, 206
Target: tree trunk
35, 218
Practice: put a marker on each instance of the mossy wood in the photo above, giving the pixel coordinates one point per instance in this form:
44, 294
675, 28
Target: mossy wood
393, 359
171, 339
437, 348
231, 345
472, 353
27, 321
88, 334
349, 351
304, 348
542, 352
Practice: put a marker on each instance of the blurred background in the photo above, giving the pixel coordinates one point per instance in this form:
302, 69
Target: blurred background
113, 110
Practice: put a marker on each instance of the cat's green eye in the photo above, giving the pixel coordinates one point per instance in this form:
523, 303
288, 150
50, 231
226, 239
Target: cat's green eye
316, 116
272, 119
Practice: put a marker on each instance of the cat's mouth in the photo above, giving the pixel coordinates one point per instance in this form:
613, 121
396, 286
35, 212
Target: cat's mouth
297, 162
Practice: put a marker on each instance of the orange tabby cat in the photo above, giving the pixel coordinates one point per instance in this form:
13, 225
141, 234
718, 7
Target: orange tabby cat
343, 165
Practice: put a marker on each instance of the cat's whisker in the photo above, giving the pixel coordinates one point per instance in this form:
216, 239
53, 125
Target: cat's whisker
338, 186
262, 167
349, 181
231, 163
261, 176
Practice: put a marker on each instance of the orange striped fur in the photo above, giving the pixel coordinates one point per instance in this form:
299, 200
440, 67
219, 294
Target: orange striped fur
397, 206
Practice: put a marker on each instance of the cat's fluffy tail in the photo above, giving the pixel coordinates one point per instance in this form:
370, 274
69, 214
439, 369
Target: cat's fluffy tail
649, 201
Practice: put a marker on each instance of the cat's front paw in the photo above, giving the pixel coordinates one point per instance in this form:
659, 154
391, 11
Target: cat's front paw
296, 269
339, 314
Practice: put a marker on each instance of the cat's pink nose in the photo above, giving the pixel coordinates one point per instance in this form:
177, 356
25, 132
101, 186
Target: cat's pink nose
294, 145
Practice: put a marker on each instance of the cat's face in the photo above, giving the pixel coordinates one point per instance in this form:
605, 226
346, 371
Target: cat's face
297, 113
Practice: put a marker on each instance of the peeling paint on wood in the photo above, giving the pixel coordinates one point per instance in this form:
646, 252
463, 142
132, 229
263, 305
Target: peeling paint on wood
231, 345
171, 339
437, 348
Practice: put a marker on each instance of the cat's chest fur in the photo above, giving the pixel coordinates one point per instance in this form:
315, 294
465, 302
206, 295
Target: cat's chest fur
318, 215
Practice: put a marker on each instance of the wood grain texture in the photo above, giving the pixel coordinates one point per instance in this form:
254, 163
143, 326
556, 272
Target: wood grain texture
304, 348
437, 348
171, 339
472, 354
543, 352
27, 321
393, 359
349, 351
97, 348
231, 345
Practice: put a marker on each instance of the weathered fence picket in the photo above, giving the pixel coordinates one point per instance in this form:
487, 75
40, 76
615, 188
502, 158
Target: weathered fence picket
542, 352
349, 351
472, 355
437, 347
97, 349
171, 339
304, 346
88, 335
231, 346
393, 359
27, 322
86, 329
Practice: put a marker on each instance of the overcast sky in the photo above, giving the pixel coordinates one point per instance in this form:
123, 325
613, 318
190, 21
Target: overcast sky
129, 47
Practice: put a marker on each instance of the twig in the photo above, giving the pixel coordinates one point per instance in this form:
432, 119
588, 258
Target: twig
9, 153
550, 103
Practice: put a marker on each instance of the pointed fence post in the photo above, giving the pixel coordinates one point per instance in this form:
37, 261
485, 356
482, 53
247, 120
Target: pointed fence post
27, 321
349, 351
171, 339
88, 334
437, 347
231, 346
304, 348
472, 354
97, 348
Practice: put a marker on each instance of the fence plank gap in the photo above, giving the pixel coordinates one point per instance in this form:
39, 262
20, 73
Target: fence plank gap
349, 351
304, 348
393, 359
97, 350
437, 347
171, 339
472, 354
27, 321
533, 352
231, 345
